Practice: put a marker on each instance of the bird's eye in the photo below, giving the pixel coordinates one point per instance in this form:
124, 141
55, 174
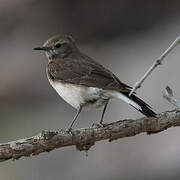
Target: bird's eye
58, 45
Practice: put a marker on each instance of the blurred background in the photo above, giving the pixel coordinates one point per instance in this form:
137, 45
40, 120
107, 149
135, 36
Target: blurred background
126, 36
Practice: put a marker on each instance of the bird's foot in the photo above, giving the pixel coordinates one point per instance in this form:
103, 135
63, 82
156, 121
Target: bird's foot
69, 130
99, 125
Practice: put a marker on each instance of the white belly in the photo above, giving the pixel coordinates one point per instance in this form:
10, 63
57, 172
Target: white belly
75, 95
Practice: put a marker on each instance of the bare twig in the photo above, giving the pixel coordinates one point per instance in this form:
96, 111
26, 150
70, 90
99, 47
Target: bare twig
83, 139
168, 95
154, 65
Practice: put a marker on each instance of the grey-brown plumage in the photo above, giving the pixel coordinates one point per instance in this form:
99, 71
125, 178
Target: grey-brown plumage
81, 81
83, 71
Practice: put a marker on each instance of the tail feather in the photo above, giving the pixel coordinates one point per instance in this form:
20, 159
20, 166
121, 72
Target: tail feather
145, 108
137, 103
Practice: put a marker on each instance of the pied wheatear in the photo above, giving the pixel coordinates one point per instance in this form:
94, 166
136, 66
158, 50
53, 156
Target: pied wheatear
83, 82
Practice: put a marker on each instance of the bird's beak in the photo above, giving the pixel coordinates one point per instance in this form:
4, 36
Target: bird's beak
41, 48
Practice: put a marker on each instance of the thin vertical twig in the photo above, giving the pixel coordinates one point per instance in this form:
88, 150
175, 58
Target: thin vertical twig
168, 95
154, 65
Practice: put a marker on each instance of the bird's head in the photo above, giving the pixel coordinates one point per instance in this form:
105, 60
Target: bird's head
58, 47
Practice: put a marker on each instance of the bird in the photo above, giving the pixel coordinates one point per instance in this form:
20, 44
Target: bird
83, 82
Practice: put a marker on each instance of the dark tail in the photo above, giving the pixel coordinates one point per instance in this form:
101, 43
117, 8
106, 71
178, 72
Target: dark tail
144, 108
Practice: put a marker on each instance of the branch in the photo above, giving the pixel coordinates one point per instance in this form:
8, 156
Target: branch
168, 95
83, 139
154, 65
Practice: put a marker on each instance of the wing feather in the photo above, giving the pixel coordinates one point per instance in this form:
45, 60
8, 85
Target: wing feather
90, 74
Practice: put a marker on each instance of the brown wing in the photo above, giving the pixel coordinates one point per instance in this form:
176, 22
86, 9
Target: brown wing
84, 73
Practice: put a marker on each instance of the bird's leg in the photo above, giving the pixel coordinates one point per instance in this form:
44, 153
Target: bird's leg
100, 124
104, 110
74, 119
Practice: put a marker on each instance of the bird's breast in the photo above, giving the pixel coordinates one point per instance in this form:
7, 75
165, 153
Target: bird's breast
77, 95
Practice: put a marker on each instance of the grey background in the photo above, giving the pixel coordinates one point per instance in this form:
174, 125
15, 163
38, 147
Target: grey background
126, 36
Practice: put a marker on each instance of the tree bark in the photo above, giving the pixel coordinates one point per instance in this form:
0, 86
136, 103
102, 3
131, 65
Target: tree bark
84, 138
